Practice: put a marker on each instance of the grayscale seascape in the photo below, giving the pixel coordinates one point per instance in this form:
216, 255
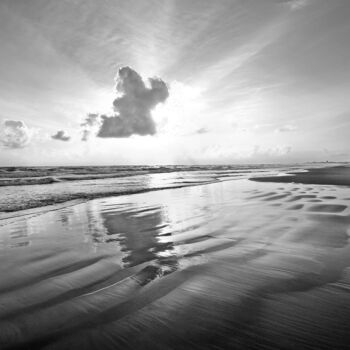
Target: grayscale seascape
174, 175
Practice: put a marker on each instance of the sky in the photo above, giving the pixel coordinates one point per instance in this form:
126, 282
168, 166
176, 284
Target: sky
100, 82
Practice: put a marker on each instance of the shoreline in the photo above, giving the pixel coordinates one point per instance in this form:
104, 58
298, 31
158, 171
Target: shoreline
25, 176
42, 176
62, 202
328, 175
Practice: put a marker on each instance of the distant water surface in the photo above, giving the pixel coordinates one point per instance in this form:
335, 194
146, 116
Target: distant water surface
30, 187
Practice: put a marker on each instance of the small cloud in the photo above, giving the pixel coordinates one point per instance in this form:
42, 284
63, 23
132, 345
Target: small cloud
91, 122
277, 151
61, 136
288, 149
14, 134
133, 106
202, 131
287, 128
297, 4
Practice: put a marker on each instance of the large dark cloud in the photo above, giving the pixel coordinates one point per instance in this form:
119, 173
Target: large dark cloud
14, 134
61, 136
132, 106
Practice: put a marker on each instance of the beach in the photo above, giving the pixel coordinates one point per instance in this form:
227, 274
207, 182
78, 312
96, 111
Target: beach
239, 260
175, 175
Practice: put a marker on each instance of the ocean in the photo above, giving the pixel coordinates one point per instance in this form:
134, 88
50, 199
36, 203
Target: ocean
29, 187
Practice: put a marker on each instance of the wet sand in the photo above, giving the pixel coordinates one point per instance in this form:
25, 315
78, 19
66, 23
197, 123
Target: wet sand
230, 265
336, 175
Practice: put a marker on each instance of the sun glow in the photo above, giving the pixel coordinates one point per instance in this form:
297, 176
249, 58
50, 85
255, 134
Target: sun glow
182, 111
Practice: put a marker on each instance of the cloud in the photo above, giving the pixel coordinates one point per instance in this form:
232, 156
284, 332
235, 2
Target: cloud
133, 106
202, 131
14, 134
61, 136
90, 123
287, 128
295, 4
